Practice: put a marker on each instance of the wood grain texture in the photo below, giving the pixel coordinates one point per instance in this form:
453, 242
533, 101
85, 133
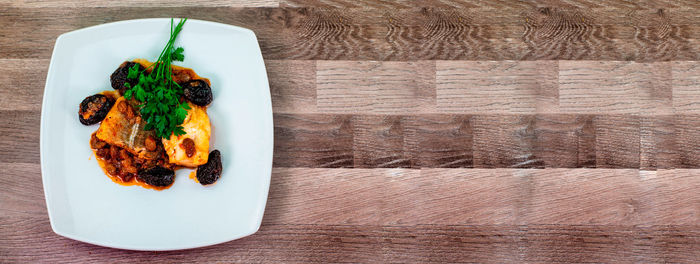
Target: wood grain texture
532, 215
378, 87
687, 134
597, 87
565, 141
17, 93
685, 83
617, 141
658, 144
292, 85
313, 141
406, 197
505, 141
22, 195
379, 142
510, 87
445, 196
488, 4
140, 3
17, 142
489, 141
441, 131
324, 244
439, 141
486, 33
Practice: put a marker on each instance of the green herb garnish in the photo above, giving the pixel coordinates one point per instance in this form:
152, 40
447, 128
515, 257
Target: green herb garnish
159, 95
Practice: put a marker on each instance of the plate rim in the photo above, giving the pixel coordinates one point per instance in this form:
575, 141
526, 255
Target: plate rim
43, 159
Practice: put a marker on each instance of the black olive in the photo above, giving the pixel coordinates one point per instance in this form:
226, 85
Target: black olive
198, 92
94, 109
209, 172
118, 77
157, 176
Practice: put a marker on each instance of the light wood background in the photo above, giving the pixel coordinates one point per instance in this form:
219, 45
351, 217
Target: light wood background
422, 131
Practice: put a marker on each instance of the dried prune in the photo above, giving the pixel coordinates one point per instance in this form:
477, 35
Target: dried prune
118, 77
198, 92
94, 109
157, 176
209, 172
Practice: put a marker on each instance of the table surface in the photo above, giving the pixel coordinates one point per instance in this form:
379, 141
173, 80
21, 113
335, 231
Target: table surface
422, 131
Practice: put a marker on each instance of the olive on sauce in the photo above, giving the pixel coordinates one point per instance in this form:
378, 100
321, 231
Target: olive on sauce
157, 176
118, 77
209, 172
198, 92
94, 109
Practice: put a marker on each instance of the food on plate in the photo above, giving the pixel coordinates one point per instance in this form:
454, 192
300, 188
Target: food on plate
119, 77
154, 123
197, 92
157, 176
94, 108
192, 148
211, 171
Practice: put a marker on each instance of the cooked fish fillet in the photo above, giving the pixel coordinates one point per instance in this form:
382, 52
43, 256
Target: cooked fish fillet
197, 128
120, 130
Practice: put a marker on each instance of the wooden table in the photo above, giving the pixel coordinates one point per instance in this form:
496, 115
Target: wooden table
422, 131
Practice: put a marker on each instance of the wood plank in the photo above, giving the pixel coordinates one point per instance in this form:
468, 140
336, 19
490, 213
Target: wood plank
438, 141
590, 244
379, 142
461, 87
292, 85
282, 33
655, 88
522, 87
586, 197
429, 141
565, 141
670, 195
22, 194
658, 144
615, 87
424, 244
599, 87
470, 197
486, 4
460, 196
402, 34
617, 141
313, 141
542, 33
498, 141
375, 87
408, 197
128, 3
454, 34
688, 140
19, 136
22, 84
686, 83
505, 141
329, 196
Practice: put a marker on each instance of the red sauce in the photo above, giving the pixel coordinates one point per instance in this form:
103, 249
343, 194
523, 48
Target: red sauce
133, 181
120, 175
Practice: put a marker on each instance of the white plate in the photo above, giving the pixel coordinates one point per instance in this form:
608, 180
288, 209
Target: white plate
85, 205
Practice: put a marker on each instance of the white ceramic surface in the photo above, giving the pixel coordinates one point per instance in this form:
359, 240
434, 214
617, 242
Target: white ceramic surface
85, 205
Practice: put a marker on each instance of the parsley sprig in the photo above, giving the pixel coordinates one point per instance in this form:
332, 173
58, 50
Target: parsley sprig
158, 94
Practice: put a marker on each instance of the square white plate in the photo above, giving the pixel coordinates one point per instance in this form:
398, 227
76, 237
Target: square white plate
85, 205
